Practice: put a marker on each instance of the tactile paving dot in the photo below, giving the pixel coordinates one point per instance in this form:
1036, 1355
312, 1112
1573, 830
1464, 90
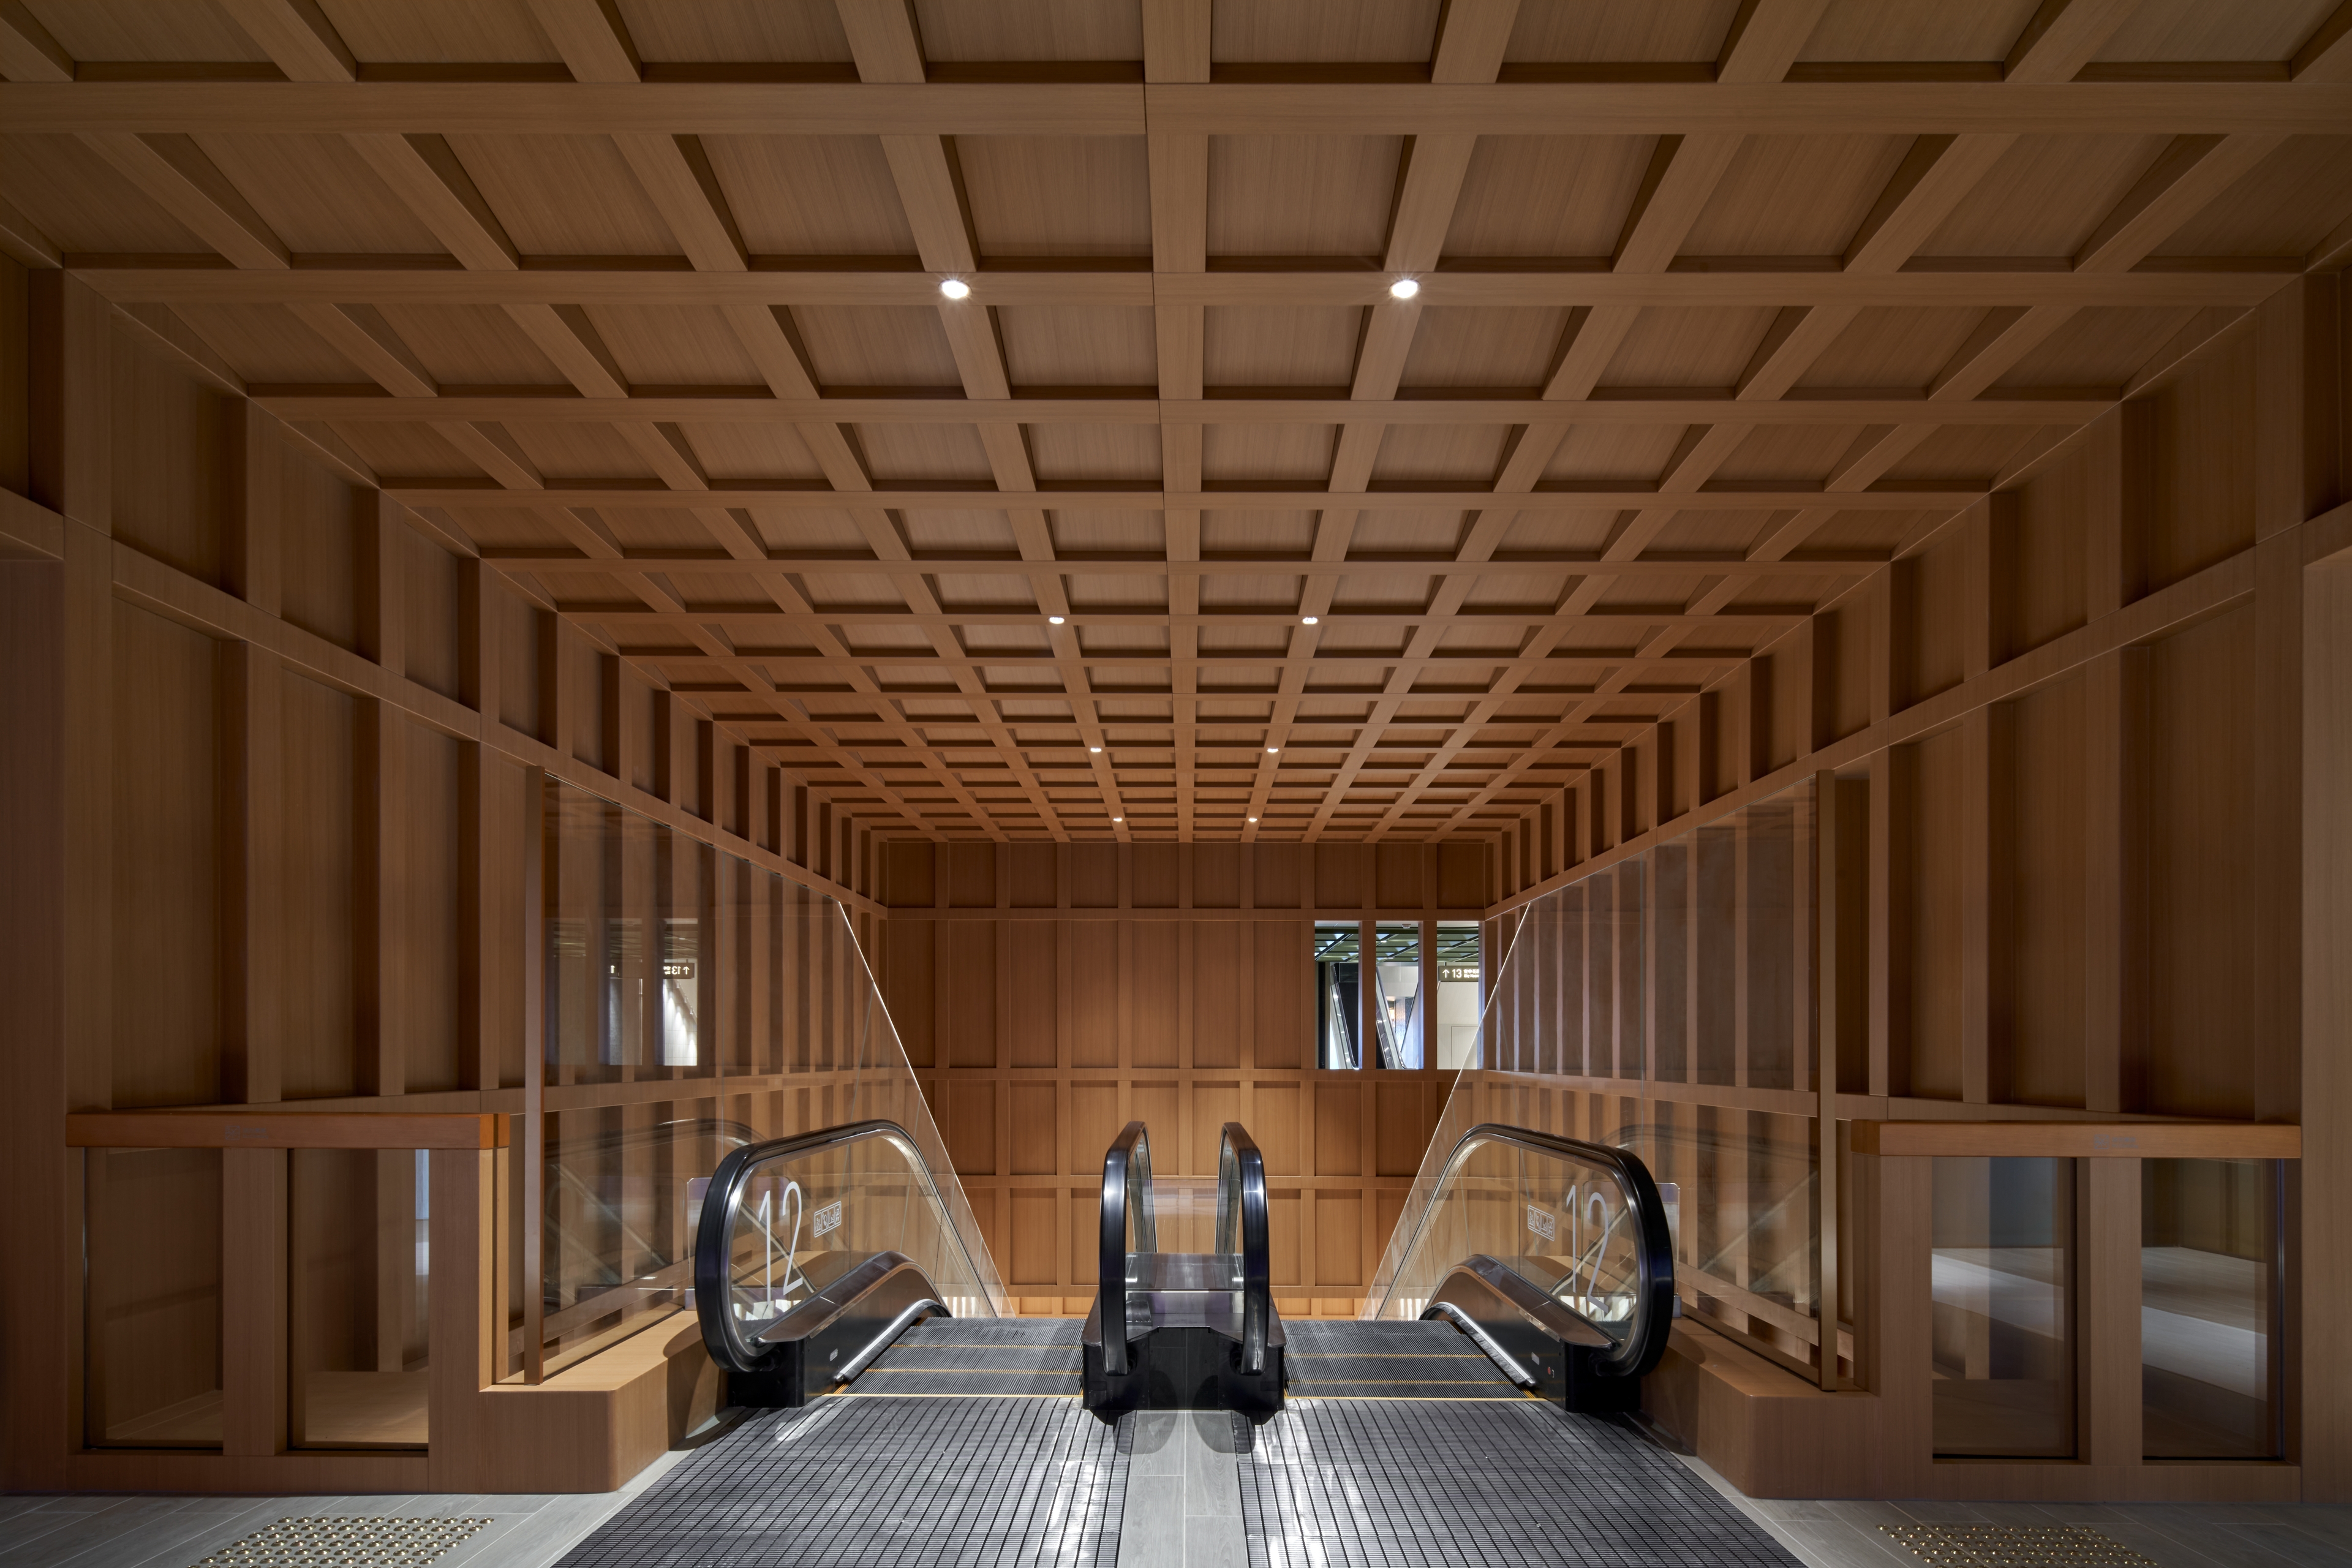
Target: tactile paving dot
361, 1541
2007, 1546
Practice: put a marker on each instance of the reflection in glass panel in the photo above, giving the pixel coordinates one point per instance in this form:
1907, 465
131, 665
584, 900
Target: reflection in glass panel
1338, 996
1456, 1022
1562, 1222
356, 1298
1396, 1013
154, 1298
2209, 1309
623, 1189
2003, 1334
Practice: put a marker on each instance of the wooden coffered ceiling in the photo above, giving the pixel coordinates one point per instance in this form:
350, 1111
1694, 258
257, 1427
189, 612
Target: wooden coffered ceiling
1723, 304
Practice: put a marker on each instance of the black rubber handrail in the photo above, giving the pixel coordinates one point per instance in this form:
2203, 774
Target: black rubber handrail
1654, 1249
1240, 1229
723, 1202
1126, 1183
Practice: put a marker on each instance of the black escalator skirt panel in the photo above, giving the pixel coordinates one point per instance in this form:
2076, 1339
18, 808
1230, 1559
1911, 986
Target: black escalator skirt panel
1015, 1358
1185, 1366
1389, 1361
908, 1483
1425, 1484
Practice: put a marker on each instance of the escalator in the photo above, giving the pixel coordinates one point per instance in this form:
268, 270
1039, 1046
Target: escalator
1552, 1256
1180, 1329
886, 1410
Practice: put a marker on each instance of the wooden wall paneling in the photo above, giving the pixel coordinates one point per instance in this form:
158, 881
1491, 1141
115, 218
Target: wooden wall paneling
1987, 903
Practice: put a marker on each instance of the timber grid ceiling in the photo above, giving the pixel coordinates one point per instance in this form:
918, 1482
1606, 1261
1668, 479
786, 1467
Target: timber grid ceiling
1180, 524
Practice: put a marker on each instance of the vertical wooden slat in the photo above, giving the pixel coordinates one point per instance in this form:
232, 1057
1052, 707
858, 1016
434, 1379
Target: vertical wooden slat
1987, 941
379, 937
2115, 848
2319, 1425
538, 888
1829, 914
2107, 1316
253, 1301
252, 840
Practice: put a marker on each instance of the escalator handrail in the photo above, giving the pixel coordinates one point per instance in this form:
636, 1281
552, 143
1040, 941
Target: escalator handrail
723, 1202
1242, 1203
1653, 1249
1127, 1173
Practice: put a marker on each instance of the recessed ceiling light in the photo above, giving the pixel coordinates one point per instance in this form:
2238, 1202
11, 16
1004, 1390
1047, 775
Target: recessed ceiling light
1118, 819
1403, 288
1252, 819
1306, 620
1096, 750
1270, 750
957, 289
1053, 620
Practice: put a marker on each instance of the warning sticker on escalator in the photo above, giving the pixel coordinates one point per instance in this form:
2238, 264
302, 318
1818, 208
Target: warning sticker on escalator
1541, 1223
828, 1218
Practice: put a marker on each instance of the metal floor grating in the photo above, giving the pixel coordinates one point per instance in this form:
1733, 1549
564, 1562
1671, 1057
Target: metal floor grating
858, 1483
1431, 1484
362, 1542
1004, 1358
1388, 1361
2006, 1546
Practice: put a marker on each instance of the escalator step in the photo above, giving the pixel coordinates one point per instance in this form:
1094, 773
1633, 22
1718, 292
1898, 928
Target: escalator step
1495, 1484
882, 1483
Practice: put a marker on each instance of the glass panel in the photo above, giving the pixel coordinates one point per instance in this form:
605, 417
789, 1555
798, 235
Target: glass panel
2003, 1334
666, 958
621, 1196
1339, 998
2209, 1309
154, 1298
1458, 993
1561, 1223
358, 1271
1396, 970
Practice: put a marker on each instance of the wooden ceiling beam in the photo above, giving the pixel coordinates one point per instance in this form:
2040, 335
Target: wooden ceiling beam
360, 334
2192, 171
1657, 406
425, 174
1764, 39
2326, 55
572, 344
2062, 37
27, 50
173, 171
677, 179
590, 37
296, 36
460, 494
1581, 282
1891, 108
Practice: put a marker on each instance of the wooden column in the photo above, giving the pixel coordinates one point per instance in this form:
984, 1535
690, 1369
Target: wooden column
2107, 1313
253, 1301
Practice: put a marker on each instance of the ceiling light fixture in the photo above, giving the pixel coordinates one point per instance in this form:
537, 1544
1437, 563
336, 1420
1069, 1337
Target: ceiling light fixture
1306, 620
1118, 819
1252, 819
1096, 750
955, 288
1053, 620
1403, 288
1270, 750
